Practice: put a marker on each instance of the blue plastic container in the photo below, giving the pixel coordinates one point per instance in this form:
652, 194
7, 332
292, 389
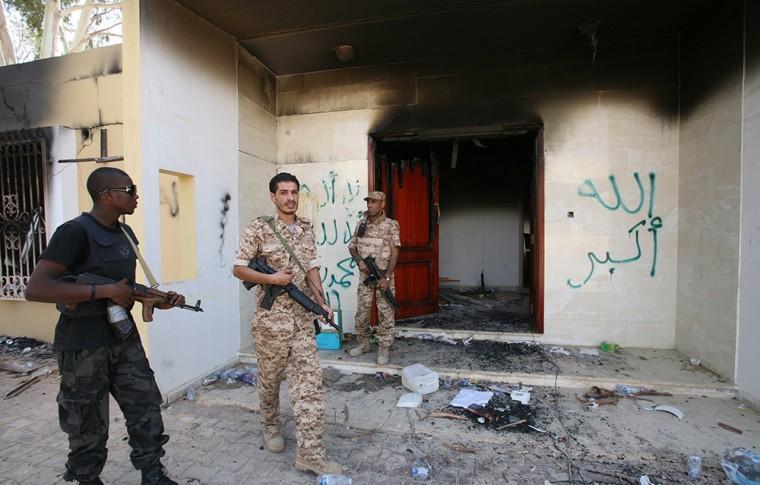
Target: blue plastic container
328, 341
331, 340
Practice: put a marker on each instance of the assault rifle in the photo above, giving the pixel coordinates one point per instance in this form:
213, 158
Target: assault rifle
149, 297
375, 275
273, 291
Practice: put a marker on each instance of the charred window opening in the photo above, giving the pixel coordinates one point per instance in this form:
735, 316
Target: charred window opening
22, 217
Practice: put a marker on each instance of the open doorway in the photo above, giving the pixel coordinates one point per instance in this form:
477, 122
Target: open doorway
470, 210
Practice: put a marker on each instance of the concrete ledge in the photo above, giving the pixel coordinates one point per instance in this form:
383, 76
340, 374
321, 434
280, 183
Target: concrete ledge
544, 380
475, 335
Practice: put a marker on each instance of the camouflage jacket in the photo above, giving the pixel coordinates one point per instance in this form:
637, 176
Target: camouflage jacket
259, 241
379, 237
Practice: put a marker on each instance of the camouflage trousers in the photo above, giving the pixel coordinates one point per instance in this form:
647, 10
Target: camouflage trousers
87, 378
286, 348
385, 314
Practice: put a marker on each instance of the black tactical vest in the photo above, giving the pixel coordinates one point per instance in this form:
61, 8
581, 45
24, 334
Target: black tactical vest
110, 256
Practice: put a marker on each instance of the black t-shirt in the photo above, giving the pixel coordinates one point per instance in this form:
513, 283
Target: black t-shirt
70, 246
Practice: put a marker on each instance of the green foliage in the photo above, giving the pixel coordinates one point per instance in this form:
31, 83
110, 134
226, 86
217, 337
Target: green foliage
33, 13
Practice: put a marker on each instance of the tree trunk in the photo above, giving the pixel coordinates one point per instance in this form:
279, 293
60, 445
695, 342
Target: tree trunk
50, 28
83, 27
6, 43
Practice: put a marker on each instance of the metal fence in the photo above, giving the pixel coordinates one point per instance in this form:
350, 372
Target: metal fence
22, 217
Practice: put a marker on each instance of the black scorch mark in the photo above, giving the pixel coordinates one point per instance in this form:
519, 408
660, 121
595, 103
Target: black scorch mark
223, 221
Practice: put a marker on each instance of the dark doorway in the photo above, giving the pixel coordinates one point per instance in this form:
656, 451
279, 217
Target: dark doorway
470, 210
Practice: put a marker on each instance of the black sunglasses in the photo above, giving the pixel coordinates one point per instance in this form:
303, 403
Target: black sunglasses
130, 189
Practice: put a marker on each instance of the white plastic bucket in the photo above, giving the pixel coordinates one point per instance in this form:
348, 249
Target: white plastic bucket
418, 378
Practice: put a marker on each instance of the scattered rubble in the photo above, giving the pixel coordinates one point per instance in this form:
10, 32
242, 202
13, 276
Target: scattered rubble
26, 347
471, 309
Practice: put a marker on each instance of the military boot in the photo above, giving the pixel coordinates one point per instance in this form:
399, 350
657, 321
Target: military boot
156, 475
383, 355
361, 348
69, 476
322, 466
274, 441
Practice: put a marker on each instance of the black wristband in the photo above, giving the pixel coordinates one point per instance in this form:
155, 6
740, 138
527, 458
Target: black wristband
92, 291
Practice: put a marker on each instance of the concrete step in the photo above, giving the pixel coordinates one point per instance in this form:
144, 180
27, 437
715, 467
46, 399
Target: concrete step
660, 369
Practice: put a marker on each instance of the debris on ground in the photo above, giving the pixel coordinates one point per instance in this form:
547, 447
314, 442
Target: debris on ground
669, 409
610, 347
468, 397
466, 308
589, 351
35, 377
420, 471
418, 378
741, 466
558, 350
522, 395
730, 428
27, 347
17, 366
499, 413
694, 464
330, 375
409, 400
446, 415
598, 396
232, 377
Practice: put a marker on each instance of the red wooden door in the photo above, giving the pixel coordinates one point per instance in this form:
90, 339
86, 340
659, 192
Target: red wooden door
412, 187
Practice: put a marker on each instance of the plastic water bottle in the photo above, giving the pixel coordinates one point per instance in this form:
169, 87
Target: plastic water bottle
695, 467
191, 394
420, 471
334, 480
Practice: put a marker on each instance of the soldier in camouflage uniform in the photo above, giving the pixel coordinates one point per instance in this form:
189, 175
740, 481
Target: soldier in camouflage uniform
284, 336
91, 359
380, 239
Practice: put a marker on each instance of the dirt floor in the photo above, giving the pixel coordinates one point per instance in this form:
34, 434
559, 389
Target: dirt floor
215, 437
471, 309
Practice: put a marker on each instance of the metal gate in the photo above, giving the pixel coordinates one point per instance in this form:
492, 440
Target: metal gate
22, 218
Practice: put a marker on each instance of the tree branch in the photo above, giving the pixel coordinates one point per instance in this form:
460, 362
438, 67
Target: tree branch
105, 6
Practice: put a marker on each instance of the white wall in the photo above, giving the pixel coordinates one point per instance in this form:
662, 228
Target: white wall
748, 336
189, 124
709, 191
332, 196
257, 155
617, 118
491, 239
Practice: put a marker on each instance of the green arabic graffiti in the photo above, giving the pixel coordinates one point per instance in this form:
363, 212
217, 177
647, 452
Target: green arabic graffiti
588, 189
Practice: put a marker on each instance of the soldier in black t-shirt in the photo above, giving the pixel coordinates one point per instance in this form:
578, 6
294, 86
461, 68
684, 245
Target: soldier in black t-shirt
92, 359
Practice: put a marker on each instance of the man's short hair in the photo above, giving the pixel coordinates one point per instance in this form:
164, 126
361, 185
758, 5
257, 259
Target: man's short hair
282, 177
103, 178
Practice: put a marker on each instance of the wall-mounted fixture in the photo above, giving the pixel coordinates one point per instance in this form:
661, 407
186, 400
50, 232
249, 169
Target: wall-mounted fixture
345, 52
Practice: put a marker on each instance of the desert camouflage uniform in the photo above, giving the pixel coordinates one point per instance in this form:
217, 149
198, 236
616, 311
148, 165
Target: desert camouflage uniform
379, 237
283, 337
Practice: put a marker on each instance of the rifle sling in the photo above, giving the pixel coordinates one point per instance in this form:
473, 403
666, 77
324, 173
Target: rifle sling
148, 275
270, 222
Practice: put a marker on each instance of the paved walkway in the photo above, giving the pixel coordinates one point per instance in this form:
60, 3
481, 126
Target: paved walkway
215, 439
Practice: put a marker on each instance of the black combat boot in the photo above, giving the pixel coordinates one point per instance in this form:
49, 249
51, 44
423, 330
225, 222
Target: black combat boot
155, 475
70, 477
